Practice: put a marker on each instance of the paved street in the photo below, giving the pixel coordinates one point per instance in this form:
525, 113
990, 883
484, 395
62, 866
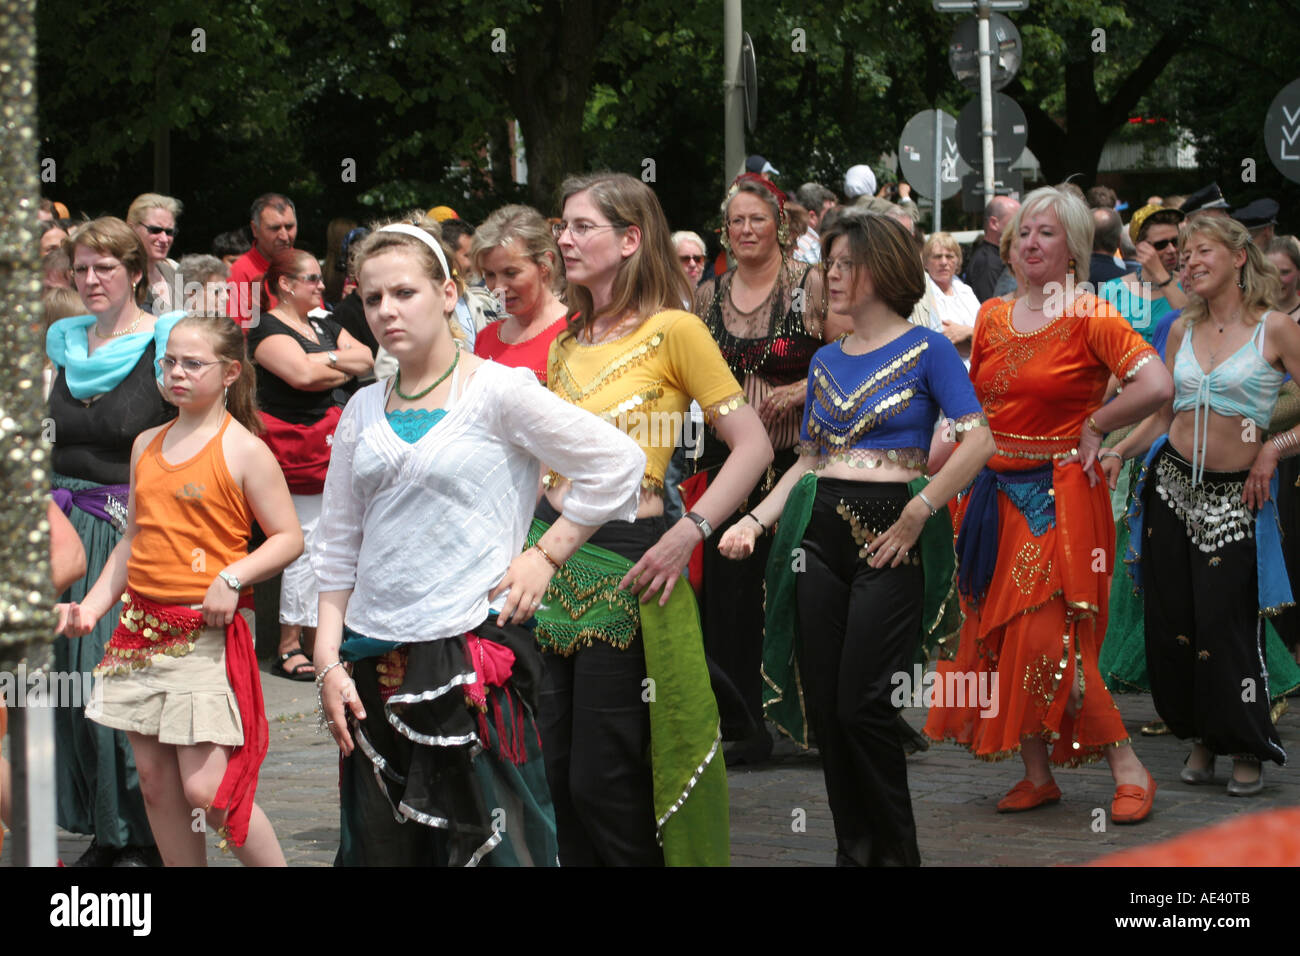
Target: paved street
953, 795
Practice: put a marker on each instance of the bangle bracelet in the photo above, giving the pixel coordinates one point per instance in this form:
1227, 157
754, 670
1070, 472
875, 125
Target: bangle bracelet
549, 560
320, 678
928, 503
1110, 453
750, 514
1092, 424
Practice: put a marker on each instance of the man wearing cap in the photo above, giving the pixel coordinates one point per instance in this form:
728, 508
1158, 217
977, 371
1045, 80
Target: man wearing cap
859, 181
759, 166
985, 266
275, 227
1207, 200
1260, 217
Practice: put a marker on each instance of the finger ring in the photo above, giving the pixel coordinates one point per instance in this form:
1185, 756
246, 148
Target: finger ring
330, 722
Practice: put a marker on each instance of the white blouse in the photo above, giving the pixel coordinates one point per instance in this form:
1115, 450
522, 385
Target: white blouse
421, 532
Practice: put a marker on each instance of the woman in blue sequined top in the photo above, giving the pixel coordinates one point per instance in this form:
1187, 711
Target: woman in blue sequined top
859, 493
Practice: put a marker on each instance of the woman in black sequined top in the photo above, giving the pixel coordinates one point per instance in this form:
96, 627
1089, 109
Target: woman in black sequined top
768, 316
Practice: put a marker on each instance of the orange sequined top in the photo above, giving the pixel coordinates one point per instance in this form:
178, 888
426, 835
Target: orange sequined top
643, 383
1038, 388
192, 520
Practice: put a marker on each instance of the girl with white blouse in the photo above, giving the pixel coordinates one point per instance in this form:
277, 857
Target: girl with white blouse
424, 580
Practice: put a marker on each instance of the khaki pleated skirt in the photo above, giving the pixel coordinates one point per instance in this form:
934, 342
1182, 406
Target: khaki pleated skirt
180, 700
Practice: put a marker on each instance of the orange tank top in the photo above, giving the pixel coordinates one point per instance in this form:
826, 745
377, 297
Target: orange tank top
192, 520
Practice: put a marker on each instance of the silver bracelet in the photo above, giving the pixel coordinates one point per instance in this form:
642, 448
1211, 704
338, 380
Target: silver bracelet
320, 678
1110, 451
929, 504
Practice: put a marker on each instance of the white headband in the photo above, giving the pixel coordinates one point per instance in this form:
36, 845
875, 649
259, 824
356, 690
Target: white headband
425, 238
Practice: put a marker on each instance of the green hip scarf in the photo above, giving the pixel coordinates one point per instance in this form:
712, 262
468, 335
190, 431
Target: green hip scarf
583, 604
941, 620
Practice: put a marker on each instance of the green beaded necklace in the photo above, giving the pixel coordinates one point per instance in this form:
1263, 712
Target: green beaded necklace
397, 383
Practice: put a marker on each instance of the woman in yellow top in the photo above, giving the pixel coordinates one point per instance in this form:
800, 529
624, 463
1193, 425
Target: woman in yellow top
633, 357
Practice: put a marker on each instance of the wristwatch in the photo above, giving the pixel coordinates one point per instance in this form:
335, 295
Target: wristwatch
333, 357
1161, 285
702, 523
229, 579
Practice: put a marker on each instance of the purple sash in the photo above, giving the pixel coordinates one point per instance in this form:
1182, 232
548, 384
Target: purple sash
106, 502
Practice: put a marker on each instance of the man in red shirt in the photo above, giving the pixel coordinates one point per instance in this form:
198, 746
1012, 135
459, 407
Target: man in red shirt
275, 227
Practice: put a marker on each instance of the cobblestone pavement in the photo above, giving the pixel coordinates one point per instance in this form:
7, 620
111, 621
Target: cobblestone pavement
953, 797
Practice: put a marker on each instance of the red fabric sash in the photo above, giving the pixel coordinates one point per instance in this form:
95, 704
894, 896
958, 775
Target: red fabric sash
493, 665
238, 786
303, 451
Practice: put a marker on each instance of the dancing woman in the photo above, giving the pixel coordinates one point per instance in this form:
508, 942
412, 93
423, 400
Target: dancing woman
855, 507
622, 679
1037, 539
1210, 555
424, 579
768, 317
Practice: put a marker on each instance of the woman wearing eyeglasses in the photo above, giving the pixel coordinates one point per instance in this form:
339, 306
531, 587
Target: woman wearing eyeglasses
105, 393
300, 360
691, 254
629, 724
153, 217
768, 317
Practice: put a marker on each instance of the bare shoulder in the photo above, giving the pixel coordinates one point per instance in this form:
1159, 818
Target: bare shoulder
245, 452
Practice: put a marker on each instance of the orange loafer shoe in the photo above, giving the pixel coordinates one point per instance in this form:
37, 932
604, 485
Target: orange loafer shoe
1025, 796
1132, 803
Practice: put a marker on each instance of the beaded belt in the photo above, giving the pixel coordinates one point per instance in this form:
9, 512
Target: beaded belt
1212, 511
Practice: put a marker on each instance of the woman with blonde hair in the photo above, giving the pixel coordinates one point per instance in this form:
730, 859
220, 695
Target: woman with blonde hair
1210, 559
153, 217
515, 253
954, 302
1038, 516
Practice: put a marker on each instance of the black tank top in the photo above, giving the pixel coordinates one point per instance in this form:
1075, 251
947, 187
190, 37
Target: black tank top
92, 440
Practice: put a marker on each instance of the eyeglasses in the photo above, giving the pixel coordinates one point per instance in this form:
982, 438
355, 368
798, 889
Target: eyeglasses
1157, 246
103, 270
755, 222
842, 264
692, 260
579, 229
155, 230
312, 277
192, 366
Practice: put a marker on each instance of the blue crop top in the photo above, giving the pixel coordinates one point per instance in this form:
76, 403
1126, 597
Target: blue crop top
1244, 385
881, 407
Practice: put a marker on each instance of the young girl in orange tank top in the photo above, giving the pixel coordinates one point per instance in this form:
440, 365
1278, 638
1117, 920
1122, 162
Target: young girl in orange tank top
180, 675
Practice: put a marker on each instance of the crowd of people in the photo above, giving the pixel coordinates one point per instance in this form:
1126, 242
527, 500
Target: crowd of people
567, 516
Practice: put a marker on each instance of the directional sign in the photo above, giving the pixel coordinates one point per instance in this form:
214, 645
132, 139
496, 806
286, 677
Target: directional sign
1282, 131
1010, 131
964, 49
916, 154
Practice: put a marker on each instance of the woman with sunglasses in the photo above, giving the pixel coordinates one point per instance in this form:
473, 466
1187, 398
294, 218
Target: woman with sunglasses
691, 254
153, 217
768, 317
1147, 296
105, 393
301, 359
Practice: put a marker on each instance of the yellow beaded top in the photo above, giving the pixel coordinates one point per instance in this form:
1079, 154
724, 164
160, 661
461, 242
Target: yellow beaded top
643, 382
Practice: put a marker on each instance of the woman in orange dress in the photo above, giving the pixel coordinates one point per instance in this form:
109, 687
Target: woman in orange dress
1036, 541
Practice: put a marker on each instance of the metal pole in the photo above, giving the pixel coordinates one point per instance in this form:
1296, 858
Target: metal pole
26, 598
733, 91
986, 98
938, 164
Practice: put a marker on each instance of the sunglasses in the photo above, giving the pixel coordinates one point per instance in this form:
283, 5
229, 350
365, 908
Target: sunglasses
154, 230
311, 277
692, 260
1157, 246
